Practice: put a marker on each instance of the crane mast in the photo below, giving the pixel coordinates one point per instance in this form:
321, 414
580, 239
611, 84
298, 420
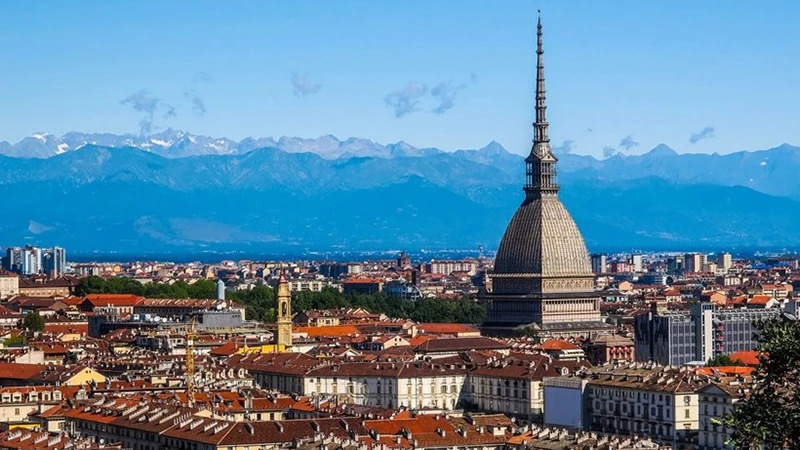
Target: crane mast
190, 334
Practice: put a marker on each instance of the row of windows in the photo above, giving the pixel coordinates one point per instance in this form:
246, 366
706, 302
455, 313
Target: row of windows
31, 397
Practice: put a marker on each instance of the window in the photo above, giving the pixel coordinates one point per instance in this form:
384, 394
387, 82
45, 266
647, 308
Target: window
687, 414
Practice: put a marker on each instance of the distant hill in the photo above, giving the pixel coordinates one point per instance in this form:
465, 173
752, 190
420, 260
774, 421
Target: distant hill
128, 199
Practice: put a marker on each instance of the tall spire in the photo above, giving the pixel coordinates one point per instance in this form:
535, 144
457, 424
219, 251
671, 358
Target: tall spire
541, 140
540, 173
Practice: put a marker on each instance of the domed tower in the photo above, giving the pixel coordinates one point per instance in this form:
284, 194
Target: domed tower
542, 273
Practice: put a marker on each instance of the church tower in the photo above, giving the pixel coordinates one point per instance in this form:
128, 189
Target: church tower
284, 314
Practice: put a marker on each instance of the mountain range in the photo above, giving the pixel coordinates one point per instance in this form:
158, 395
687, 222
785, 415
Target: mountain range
179, 144
175, 190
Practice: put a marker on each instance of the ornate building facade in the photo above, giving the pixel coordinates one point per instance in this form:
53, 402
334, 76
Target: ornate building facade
543, 274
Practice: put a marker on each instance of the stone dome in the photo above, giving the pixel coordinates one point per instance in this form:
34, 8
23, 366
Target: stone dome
542, 239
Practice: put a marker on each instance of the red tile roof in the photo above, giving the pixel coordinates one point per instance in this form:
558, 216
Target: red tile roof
337, 330
759, 300
446, 328
14, 371
67, 328
558, 344
747, 357
113, 299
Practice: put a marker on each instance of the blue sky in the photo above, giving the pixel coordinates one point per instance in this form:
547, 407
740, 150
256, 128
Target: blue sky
617, 72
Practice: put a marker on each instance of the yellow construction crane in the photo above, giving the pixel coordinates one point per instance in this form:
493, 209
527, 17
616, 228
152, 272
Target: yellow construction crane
190, 361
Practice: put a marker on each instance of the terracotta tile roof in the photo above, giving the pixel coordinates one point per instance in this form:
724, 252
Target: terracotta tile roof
747, 357
14, 371
337, 330
460, 344
67, 328
226, 349
418, 340
759, 300
113, 299
558, 344
72, 301
725, 370
446, 328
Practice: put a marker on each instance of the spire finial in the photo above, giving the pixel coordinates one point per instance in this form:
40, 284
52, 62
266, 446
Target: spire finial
541, 126
541, 163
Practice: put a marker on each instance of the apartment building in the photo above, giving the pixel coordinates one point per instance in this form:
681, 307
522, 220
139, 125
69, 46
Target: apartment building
717, 400
658, 401
9, 284
679, 337
510, 384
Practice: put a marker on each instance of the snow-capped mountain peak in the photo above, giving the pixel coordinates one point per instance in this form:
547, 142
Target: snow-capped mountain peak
40, 136
178, 144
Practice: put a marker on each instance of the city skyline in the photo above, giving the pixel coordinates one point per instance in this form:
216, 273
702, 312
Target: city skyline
408, 73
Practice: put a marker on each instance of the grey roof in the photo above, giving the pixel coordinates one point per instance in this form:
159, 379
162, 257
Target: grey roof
542, 239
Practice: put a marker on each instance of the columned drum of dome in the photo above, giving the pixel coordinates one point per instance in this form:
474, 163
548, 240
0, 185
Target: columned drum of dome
542, 273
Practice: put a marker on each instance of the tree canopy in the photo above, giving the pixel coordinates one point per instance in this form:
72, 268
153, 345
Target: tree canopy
724, 360
461, 310
769, 417
126, 285
33, 321
260, 302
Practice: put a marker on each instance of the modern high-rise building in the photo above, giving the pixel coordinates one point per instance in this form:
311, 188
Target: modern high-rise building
31, 260
692, 262
599, 264
679, 337
637, 261
220, 290
13, 259
724, 261
675, 264
542, 273
54, 261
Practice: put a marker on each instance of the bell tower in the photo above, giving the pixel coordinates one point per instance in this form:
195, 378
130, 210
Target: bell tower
284, 314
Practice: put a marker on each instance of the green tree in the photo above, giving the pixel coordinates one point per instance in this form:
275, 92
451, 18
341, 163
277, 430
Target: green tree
19, 340
723, 360
769, 417
463, 310
126, 285
90, 285
33, 321
203, 289
257, 302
